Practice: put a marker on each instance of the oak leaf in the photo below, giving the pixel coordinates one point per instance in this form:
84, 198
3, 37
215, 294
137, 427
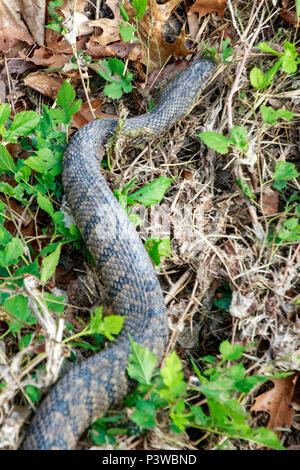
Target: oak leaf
156, 50
110, 27
202, 7
277, 402
44, 83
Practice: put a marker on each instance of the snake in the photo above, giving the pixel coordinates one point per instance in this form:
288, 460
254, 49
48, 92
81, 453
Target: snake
93, 386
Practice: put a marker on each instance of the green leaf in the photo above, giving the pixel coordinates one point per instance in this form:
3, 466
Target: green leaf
144, 414
45, 162
18, 307
271, 115
7, 164
289, 63
231, 352
140, 7
107, 326
113, 90
258, 79
142, 362
65, 95
290, 231
13, 250
45, 204
23, 123
112, 70
24, 341
127, 32
153, 192
157, 248
33, 393
265, 48
285, 171
216, 141
4, 113
124, 13
58, 307
238, 136
49, 264
227, 51
173, 377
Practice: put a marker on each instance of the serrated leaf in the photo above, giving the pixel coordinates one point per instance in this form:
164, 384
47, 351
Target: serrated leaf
271, 115
65, 95
127, 32
144, 414
285, 171
231, 352
49, 264
113, 90
157, 248
238, 136
4, 113
45, 162
153, 192
216, 141
13, 250
23, 123
140, 7
6, 161
172, 370
45, 204
142, 362
58, 307
18, 307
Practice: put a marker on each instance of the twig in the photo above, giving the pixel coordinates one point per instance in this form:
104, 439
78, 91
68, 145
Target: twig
289, 265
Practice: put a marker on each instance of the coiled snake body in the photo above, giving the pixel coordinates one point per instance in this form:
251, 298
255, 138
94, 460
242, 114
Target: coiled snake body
93, 386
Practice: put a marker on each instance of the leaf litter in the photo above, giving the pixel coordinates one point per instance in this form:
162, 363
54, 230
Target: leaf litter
259, 307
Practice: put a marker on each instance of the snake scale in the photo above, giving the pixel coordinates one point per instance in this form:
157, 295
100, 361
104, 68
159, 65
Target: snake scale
91, 387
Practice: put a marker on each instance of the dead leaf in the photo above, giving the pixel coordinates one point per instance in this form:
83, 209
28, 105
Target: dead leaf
156, 50
110, 27
12, 27
202, 7
44, 83
84, 115
269, 202
277, 402
44, 58
116, 49
34, 12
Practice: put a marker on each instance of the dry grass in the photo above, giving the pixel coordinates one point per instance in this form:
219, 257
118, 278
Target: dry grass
226, 238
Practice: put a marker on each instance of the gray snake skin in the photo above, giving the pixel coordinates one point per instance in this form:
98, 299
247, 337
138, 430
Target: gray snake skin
90, 388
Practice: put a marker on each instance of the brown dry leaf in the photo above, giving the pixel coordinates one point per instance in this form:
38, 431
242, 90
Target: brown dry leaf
78, 22
84, 115
116, 49
110, 27
202, 7
12, 28
269, 203
34, 12
44, 83
277, 402
151, 30
42, 57
289, 16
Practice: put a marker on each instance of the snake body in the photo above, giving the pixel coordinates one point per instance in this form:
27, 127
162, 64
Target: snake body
91, 387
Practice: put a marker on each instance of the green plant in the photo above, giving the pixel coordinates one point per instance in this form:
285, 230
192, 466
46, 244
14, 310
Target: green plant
57, 23
164, 392
288, 61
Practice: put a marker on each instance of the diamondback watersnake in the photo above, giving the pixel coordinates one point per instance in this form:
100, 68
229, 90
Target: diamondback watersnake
92, 386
